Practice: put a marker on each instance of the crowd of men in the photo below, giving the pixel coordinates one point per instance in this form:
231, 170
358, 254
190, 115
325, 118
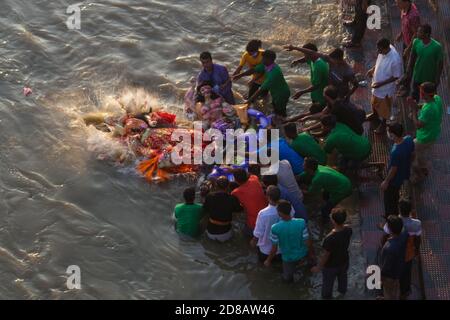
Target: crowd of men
320, 148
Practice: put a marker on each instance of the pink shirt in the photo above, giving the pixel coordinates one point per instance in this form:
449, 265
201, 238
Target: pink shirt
410, 23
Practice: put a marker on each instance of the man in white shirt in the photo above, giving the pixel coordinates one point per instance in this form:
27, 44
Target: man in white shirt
387, 70
266, 218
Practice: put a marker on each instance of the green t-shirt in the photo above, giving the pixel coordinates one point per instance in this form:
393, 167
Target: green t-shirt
428, 59
275, 84
349, 144
188, 218
290, 236
335, 183
319, 79
431, 116
306, 146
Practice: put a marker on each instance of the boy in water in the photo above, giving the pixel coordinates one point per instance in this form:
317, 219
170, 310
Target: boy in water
189, 214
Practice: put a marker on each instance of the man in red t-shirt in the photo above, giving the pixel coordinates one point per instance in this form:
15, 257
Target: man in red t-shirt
410, 21
251, 196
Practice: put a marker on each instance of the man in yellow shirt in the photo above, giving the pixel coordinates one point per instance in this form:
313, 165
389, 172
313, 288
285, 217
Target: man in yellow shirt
250, 59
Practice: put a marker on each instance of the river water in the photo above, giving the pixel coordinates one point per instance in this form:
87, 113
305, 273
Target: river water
61, 206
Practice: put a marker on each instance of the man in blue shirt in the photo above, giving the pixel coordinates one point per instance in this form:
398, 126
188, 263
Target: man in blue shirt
399, 167
217, 75
292, 237
393, 258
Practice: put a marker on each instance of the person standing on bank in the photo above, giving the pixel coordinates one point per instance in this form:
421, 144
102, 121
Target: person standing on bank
410, 21
428, 122
387, 70
425, 64
399, 168
335, 260
359, 24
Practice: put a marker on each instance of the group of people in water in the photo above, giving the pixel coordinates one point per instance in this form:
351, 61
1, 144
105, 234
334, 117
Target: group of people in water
320, 150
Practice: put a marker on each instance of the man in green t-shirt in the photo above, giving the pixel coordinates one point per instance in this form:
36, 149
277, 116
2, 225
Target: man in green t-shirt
274, 82
304, 144
428, 121
333, 185
351, 146
319, 74
188, 215
426, 61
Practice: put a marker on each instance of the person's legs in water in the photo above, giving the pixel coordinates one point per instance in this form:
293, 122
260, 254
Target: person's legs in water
342, 279
391, 198
328, 277
289, 270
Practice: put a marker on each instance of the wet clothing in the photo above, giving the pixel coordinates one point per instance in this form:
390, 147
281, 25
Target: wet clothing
276, 84
295, 199
252, 198
218, 77
220, 206
428, 59
319, 79
349, 144
306, 146
188, 218
431, 116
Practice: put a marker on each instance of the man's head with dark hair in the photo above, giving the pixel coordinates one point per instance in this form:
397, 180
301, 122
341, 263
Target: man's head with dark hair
206, 60
403, 4
273, 194
395, 224
405, 208
310, 165
270, 180
310, 46
284, 209
338, 216
253, 46
254, 169
290, 130
189, 195
395, 129
424, 32
337, 55
240, 175
269, 57
222, 183
427, 90
383, 46
330, 94
328, 122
